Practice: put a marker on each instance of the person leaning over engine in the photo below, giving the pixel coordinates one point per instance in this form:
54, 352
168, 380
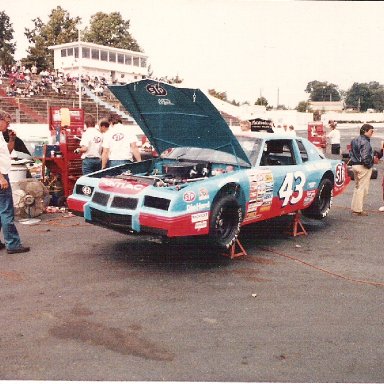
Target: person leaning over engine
119, 145
91, 144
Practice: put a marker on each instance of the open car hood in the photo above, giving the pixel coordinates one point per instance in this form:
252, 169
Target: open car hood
174, 117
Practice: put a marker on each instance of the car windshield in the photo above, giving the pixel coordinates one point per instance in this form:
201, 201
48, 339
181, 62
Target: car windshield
202, 154
251, 147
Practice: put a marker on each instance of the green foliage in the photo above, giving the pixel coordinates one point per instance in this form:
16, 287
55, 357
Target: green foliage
303, 106
322, 91
218, 95
7, 47
60, 29
363, 96
110, 30
261, 101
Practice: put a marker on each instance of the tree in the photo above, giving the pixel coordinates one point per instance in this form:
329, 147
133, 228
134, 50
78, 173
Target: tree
322, 91
218, 95
7, 47
303, 106
363, 96
110, 30
60, 29
261, 101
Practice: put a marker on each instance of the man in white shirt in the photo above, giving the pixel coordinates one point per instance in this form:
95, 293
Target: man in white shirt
7, 218
334, 137
119, 145
91, 144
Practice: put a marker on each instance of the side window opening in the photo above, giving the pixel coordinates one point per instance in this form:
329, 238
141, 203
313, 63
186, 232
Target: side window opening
303, 152
278, 152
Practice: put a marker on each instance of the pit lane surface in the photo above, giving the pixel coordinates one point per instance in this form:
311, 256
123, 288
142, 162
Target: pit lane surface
90, 304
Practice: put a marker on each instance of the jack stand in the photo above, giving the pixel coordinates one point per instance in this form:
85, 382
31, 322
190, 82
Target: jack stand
232, 251
293, 229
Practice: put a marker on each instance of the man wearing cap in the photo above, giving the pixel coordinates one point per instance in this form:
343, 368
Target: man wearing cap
361, 155
7, 218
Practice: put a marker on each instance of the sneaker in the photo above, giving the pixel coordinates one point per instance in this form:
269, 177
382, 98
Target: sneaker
2, 245
18, 250
381, 209
362, 213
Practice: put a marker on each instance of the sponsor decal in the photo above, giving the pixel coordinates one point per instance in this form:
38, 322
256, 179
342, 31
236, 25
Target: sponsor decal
198, 206
203, 194
201, 225
165, 102
252, 216
312, 184
156, 89
310, 196
340, 174
86, 190
189, 196
265, 208
130, 187
199, 217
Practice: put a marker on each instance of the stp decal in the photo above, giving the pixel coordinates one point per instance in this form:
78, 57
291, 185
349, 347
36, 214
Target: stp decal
189, 196
118, 136
340, 174
156, 90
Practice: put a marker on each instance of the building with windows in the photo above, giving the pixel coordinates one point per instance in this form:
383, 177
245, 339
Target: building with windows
114, 64
327, 106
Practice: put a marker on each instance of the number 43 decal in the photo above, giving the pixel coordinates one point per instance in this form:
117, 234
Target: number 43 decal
292, 188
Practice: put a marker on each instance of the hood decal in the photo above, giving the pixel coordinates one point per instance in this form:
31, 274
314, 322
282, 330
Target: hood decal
129, 187
174, 117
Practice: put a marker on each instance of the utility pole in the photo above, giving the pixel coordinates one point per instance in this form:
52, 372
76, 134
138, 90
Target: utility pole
79, 64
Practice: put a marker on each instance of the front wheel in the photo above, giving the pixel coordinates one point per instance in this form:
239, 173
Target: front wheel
226, 217
322, 203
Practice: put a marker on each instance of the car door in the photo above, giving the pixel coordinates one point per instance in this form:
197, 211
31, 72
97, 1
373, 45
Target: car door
281, 158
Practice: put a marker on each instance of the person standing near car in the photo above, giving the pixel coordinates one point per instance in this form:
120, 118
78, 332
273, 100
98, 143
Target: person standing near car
361, 159
119, 145
334, 138
91, 144
7, 216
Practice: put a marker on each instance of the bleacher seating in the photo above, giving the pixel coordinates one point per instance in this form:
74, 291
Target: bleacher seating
32, 109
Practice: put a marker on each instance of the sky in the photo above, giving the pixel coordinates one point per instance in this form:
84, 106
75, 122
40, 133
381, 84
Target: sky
246, 48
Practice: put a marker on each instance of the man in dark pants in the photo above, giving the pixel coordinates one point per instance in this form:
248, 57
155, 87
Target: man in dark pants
7, 217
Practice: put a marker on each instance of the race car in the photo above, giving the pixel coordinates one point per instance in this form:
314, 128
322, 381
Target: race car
205, 181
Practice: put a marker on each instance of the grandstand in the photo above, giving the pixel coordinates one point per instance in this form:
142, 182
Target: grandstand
33, 108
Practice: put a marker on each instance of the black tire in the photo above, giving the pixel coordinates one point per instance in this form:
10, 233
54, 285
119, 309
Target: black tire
225, 222
323, 201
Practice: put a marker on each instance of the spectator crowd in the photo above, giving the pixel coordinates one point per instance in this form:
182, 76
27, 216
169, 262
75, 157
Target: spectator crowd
27, 82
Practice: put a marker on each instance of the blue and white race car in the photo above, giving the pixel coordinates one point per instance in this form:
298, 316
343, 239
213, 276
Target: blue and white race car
205, 181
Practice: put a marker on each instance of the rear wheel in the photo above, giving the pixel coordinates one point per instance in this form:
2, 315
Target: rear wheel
226, 217
323, 201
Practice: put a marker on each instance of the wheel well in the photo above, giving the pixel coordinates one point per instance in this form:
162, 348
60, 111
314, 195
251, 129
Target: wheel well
233, 189
330, 176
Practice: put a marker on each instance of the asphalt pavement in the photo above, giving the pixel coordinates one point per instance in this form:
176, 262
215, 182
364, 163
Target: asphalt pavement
90, 304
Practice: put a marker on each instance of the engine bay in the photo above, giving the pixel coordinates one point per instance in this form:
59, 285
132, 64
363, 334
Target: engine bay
176, 173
